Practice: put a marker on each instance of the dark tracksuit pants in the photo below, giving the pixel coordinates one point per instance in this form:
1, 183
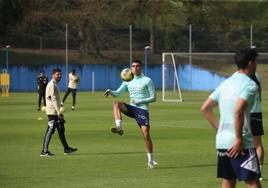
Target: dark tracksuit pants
42, 94
69, 90
52, 125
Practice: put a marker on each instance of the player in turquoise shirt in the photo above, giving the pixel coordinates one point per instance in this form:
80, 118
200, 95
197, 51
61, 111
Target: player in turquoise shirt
226, 95
141, 92
237, 158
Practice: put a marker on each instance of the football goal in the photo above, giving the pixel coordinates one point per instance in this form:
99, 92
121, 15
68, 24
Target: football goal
171, 91
182, 71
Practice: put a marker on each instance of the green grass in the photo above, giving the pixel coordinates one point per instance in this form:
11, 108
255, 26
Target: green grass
183, 145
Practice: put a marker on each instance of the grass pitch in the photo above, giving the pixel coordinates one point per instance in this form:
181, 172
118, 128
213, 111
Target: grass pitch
183, 145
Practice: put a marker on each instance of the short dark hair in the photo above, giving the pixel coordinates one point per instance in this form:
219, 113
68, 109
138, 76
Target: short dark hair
137, 61
56, 70
73, 70
243, 57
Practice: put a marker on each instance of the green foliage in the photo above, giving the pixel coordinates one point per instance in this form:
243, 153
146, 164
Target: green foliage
11, 13
95, 26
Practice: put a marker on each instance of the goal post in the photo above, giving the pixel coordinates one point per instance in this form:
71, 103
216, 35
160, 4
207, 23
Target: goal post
171, 90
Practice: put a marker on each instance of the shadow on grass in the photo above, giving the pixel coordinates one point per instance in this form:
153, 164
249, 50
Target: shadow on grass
111, 153
190, 166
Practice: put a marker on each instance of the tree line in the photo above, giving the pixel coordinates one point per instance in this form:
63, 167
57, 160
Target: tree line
97, 25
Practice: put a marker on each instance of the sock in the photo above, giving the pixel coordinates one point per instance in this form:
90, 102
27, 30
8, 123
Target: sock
150, 156
118, 123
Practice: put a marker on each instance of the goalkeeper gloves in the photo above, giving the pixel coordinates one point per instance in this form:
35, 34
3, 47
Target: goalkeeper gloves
61, 119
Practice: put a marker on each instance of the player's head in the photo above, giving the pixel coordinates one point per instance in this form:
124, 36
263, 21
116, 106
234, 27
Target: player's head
73, 71
56, 74
136, 67
42, 72
246, 59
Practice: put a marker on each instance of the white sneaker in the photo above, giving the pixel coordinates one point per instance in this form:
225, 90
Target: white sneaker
152, 164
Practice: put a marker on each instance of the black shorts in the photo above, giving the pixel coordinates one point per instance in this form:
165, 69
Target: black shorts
72, 90
256, 124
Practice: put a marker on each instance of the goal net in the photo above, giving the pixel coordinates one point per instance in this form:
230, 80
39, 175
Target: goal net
189, 71
198, 72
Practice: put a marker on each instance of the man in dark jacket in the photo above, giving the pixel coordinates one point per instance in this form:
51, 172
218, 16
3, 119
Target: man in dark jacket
42, 81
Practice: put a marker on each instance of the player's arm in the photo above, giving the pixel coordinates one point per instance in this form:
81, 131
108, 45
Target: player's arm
118, 92
38, 82
46, 78
78, 79
150, 99
240, 109
207, 110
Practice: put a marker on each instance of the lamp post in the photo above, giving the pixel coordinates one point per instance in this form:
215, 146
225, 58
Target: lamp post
66, 55
7, 47
130, 44
146, 48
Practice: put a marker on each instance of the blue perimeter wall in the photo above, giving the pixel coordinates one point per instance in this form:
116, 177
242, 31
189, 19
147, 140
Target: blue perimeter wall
23, 77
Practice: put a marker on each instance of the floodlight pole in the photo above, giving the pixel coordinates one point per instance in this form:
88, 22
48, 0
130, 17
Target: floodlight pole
190, 55
130, 44
93, 82
146, 48
251, 36
7, 48
66, 54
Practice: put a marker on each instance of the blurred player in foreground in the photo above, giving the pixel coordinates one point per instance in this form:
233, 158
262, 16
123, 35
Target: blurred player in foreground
55, 118
74, 80
141, 92
237, 158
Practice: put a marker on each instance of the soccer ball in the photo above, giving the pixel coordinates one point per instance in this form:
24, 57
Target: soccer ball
62, 109
127, 75
43, 109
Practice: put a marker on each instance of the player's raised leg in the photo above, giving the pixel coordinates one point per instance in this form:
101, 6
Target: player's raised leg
118, 107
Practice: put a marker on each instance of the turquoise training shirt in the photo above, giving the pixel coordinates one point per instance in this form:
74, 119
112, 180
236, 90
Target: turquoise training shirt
226, 95
141, 91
